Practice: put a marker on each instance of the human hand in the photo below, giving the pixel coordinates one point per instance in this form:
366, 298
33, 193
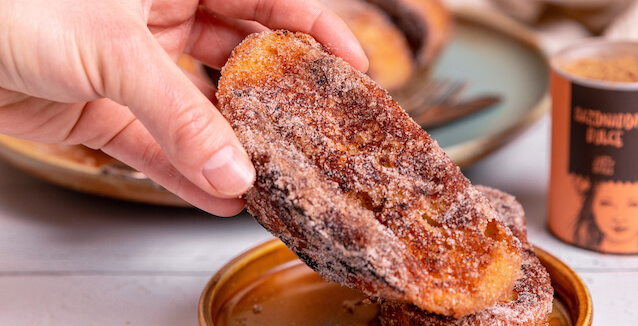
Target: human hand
103, 74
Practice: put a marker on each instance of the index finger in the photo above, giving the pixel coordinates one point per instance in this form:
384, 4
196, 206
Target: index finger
306, 16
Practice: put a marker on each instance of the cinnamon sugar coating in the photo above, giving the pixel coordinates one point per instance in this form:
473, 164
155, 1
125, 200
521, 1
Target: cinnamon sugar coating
354, 187
530, 303
509, 211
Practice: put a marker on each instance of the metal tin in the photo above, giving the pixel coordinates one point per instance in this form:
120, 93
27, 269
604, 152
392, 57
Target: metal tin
593, 194
269, 285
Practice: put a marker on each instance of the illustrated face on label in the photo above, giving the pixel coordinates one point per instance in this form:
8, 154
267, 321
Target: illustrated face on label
615, 210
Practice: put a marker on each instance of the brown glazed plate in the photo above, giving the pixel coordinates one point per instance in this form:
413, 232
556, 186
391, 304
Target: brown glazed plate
489, 52
269, 285
85, 170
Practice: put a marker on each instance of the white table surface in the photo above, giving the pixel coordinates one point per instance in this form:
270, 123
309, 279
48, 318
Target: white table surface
68, 258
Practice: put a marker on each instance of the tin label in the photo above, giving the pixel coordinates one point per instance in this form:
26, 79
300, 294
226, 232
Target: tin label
604, 133
593, 197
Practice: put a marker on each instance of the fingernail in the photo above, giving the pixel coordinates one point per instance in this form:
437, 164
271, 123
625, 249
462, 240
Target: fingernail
365, 63
229, 171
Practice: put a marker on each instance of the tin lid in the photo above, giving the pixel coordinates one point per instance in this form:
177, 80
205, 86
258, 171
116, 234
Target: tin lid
570, 293
269, 285
598, 48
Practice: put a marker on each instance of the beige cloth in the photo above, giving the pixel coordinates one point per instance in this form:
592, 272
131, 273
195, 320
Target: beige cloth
595, 15
561, 22
625, 26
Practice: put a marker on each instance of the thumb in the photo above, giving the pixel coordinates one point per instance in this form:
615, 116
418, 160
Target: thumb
193, 135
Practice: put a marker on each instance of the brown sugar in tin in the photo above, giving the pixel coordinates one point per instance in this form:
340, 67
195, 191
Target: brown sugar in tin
621, 69
593, 195
269, 285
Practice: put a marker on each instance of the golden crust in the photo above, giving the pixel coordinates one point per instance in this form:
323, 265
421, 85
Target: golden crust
354, 187
509, 211
530, 303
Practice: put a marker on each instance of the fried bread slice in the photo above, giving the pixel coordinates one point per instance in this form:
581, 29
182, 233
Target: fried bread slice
356, 188
391, 61
427, 25
530, 302
509, 211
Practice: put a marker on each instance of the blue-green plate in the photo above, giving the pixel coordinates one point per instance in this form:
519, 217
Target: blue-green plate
495, 55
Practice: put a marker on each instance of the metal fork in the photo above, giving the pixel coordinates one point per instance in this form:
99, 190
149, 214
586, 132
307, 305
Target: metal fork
439, 101
434, 92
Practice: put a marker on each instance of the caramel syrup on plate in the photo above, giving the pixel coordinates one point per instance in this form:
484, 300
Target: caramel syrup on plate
293, 294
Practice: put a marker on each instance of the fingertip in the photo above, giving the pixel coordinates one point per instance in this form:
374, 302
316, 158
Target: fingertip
229, 171
220, 207
363, 67
230, 208
333, 32
359, 60
352, 52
